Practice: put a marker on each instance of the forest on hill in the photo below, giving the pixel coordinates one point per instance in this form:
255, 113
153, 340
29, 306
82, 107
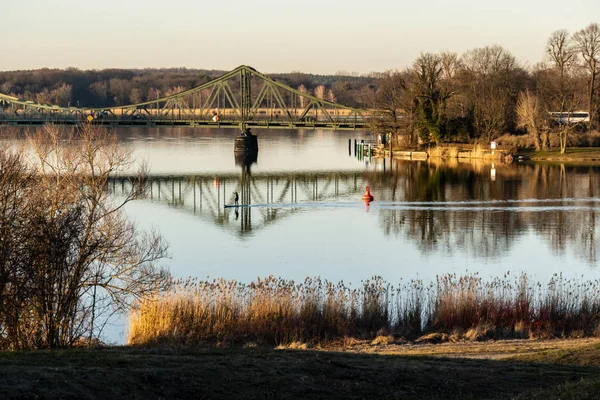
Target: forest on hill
115, 87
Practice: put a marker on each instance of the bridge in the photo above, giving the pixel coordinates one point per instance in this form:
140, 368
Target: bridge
241, 98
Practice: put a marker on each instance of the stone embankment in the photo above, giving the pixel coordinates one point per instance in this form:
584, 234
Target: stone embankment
473, 152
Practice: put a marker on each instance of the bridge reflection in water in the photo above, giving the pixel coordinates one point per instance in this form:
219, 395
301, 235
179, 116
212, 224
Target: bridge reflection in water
205, 196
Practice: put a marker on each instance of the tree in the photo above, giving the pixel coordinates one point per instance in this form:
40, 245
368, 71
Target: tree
493, 80
451, 64
531, 117
303, 100
136, 96
561, 81
100, 91
174, 90
561, 52
320, 92
588, 44
331, 96
388, 101
432, 97
71, 254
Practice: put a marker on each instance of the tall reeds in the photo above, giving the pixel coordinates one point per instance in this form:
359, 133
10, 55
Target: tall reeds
279, 311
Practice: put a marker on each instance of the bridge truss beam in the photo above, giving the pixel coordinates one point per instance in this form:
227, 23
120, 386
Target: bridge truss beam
240, 98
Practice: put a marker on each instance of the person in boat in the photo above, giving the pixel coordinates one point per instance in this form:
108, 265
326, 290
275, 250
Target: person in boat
236, 198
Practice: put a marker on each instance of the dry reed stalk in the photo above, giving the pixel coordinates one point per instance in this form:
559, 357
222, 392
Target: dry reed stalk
277, 311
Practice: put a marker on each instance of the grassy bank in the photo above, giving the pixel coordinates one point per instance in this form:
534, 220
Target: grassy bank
278, 311
448, 371
580, 155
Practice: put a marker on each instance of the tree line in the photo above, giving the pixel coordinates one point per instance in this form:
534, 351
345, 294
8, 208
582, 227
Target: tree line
486, 92
116, 87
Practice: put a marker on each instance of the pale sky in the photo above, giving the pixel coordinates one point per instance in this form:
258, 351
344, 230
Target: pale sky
315, 36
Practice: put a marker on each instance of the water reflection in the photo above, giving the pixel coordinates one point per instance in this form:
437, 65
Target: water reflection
439, 208
265, 198
245, 159
559, 204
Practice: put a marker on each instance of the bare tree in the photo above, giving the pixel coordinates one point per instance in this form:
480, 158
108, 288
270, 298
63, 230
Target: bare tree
560, 51
320, 92
560, 83
303, 100
388, 100
74, 253
136, 96
174, 90
531, 117
59, 96
331, 96
119, 90
588, 44
451, 64
492, 76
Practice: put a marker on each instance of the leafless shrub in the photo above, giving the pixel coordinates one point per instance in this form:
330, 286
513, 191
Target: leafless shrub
68, 255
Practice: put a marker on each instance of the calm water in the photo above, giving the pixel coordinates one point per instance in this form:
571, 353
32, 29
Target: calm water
307, 217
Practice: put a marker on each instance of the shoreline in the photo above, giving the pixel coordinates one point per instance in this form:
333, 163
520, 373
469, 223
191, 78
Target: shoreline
576, 155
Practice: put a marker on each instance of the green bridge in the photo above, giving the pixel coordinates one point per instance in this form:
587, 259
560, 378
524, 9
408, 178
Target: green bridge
241, 98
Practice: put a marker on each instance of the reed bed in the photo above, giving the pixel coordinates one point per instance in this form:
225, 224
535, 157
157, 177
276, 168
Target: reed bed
279, 311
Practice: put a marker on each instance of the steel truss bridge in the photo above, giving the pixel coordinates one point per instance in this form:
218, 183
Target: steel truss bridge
241, 98
278, 195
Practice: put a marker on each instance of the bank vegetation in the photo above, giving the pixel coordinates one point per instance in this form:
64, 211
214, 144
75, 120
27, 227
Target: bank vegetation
278, 311
486, 94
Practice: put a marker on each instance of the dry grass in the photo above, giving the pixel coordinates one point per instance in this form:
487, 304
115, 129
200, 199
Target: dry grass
278, 311
575, 139
259, 373
514, 141
471, 151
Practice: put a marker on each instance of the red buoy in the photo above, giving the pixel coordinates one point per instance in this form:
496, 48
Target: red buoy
367, 196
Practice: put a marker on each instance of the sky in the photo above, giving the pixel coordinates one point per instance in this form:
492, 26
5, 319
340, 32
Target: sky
313, 36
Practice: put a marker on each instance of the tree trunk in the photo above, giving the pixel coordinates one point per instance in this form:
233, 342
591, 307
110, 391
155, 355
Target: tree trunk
545, 140
537, 142
591, 100
563, 141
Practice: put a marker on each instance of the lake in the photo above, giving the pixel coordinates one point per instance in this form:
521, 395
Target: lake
306, 216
